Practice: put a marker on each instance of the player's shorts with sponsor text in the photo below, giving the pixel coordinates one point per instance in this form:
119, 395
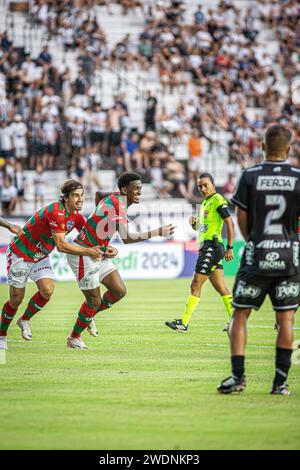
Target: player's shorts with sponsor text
209, 258
90, 272
250, 290
18, 270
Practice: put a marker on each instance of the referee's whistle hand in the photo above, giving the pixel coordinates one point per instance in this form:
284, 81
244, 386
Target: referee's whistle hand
229, 255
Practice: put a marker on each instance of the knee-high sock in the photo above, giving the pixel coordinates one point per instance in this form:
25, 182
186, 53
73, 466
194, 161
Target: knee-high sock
7, 317
35, 304
227, 299
84, 318
191, 303
107, 300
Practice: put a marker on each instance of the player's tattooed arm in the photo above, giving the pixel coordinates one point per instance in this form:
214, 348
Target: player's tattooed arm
15, 229
65, 247
127, 237
242, 217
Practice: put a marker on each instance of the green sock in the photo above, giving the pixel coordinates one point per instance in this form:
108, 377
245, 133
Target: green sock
227, 299
191, 304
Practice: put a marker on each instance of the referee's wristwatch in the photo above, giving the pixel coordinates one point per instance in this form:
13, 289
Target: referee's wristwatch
229, 247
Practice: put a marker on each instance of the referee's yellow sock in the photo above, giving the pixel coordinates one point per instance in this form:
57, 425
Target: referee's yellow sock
227, 300
191, 303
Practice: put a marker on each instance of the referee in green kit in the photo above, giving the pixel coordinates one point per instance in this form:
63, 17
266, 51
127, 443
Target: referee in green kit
212, 215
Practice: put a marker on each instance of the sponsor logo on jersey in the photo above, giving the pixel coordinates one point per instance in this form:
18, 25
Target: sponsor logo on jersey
70, 225
277, 169
273, 183
43, 250
249, 253
272, 261
296, 254
244, 290
274, 244
287, 289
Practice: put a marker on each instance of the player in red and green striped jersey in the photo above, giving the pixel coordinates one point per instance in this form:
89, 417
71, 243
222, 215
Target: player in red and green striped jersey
28, 256
109, 217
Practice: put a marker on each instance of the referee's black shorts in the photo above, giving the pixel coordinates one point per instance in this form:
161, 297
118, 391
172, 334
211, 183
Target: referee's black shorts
210, 258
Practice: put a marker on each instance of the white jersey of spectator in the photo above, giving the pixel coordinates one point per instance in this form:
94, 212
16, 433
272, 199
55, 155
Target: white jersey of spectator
50, 110
99, 121
67, 36
50, 133
54, 100
19, 132
20, 180
39, 181
73, 112
204, 39
166, 37
6, 138
43, 13
195, 60
5, 108
264, 9
7, 194
30, 70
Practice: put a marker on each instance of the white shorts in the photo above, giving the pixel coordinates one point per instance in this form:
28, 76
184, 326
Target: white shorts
90, 272
18, 270
194, 164
21, 152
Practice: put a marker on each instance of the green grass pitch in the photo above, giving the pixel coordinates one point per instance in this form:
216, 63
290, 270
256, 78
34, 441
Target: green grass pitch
141, 385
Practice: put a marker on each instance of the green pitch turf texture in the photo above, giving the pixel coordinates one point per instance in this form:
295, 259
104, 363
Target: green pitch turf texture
141, 385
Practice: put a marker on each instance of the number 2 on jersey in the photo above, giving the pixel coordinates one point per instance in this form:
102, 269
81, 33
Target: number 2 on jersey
280, 202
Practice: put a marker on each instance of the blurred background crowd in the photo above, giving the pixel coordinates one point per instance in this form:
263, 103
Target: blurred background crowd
214, 71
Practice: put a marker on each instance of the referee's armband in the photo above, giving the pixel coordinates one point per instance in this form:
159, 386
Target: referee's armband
223, 211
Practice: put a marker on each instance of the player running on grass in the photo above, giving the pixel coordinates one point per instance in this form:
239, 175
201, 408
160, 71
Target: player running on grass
15, 229
213, 213
109, 216
28, 256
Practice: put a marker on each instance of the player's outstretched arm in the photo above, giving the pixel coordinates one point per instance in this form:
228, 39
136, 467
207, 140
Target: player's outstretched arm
15, 229
65, 247
127, 237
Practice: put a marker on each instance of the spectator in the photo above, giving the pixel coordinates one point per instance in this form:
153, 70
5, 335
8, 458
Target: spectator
150, 112
19, 137
228, 187
8, 196
6, 145
20, 184
39, 181
194, 164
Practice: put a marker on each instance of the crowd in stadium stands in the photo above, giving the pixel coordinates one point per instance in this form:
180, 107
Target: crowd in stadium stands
48, 120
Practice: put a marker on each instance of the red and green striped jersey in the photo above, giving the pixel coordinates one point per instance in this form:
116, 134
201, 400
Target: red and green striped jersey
103, 223
36, 241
